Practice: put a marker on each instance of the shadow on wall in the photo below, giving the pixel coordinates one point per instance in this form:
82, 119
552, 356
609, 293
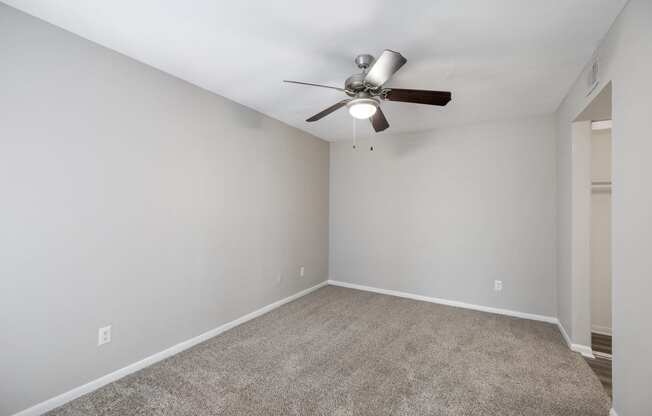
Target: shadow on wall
249, 119
406, 144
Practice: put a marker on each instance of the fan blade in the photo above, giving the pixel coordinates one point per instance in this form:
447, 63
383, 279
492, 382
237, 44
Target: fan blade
327, 111
378, 120
383, 68
315, 85
418, 96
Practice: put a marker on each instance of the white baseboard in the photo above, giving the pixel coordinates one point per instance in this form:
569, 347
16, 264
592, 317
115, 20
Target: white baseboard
612, 412
603, 355
455, 303
564, 334
603, 330
582, 349
64, 398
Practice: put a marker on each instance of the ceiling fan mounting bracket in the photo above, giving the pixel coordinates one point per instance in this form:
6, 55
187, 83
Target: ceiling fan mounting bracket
364, 61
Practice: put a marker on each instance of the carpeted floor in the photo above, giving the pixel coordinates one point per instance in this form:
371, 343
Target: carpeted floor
340, 352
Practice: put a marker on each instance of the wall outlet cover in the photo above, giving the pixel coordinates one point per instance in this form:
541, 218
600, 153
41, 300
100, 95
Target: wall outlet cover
104, 335
498, 285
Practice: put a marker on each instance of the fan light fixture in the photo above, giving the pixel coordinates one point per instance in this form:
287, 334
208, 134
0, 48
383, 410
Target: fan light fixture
366, 88
362, 108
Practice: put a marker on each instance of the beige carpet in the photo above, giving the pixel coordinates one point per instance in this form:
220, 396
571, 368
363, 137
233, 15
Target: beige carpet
345, 352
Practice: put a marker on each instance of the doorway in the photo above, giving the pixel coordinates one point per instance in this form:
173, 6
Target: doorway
592, 183
600, 285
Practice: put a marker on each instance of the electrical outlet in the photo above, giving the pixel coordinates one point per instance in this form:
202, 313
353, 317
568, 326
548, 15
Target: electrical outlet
302, 271
498, 285
104, 335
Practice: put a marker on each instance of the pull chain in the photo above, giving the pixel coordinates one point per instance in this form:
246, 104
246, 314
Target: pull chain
355, 142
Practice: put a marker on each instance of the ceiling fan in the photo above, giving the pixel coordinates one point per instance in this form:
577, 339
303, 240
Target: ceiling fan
366, 90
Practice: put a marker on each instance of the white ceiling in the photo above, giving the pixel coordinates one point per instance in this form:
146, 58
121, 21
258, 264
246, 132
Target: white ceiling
500, 58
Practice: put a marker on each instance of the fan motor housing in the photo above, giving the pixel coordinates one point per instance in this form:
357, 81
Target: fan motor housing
354, 83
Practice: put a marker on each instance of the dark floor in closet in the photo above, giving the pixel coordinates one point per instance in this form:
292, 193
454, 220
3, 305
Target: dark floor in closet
601, 364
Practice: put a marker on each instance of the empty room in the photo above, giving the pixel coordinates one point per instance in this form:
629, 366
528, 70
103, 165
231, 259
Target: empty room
253, 208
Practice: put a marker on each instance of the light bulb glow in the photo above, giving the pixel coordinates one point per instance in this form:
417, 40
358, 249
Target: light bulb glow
362, 108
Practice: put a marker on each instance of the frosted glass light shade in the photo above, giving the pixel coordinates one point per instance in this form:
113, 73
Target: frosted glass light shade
362, 108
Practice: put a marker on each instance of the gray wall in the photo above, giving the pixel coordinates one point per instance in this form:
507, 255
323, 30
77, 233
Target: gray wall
626, 61
446, 213
132, 198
